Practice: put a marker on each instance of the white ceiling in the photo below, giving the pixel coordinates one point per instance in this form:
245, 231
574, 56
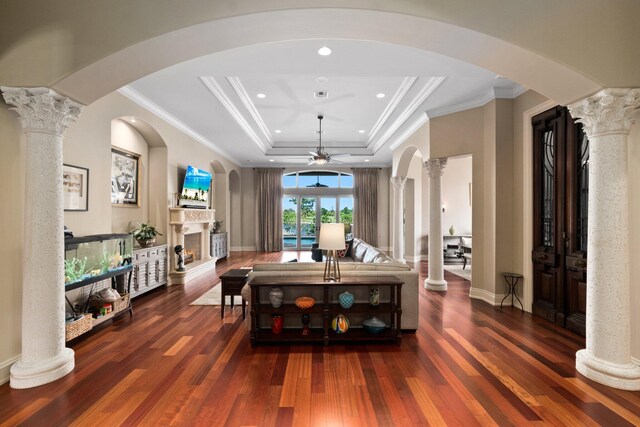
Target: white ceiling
213, 98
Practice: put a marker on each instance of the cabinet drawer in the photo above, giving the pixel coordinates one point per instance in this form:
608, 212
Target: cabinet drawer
162, 252
141, 256
153, 252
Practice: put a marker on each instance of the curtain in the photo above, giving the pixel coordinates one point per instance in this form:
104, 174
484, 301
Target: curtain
365, 205
268, 188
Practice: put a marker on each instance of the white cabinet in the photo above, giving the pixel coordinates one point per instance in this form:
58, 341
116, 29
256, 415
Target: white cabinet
219, 245
149, 269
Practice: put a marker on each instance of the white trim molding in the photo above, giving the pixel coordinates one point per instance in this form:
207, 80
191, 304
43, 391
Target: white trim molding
391, 106
5, 368
237, 85
486, 296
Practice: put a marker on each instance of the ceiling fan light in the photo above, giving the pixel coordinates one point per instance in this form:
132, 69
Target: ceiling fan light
321, 161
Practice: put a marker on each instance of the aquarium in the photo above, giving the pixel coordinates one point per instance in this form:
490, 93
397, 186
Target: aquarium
195, 190
92, 258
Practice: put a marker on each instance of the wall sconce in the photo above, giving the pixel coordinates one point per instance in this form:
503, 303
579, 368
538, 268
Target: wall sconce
443, 208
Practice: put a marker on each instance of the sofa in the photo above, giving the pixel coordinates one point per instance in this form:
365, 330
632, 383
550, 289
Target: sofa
365, 260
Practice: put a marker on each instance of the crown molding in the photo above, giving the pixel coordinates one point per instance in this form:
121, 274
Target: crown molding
218, 92
391, 106
488, 96
238, 87
431, 85
152, 107
417, 124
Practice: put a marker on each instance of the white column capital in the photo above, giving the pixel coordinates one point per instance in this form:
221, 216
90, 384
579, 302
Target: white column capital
608, 111
42, 109
435, 167
398, 182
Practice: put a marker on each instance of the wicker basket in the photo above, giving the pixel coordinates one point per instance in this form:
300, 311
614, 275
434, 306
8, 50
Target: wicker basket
78, 327
121, 303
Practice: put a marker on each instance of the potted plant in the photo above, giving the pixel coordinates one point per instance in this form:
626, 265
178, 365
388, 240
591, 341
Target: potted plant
217, 225
145, 234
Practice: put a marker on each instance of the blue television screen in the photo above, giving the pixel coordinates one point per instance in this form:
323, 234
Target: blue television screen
195, 190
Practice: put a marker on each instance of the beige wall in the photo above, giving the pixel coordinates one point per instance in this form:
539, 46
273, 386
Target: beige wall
248, 204
12, 155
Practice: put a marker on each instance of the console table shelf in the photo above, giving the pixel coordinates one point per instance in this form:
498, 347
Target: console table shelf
325, 309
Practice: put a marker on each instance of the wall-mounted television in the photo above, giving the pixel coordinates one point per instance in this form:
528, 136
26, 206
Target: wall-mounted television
195, 189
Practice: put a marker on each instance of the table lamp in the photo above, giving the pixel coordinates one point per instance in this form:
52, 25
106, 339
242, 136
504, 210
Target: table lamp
331, 239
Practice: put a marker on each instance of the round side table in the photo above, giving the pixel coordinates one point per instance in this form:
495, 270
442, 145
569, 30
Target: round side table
511, 287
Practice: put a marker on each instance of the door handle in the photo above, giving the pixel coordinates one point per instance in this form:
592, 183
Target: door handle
580, 263
541, 257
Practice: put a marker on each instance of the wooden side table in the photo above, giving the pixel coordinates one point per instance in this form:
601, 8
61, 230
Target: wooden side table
232, 283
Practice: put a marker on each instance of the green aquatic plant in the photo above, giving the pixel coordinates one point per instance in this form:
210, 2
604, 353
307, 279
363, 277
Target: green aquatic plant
74, 269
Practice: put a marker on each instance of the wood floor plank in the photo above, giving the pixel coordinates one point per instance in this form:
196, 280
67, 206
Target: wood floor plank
173, 364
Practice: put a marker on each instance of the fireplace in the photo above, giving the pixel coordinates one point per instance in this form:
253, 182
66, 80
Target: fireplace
190, 229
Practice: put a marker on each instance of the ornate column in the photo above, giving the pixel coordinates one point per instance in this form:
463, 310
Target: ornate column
398, 183
435, 281
206, 242
607, 359
45, 116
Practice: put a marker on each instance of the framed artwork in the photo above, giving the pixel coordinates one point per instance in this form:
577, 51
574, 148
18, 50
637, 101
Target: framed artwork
124, 177
75, 188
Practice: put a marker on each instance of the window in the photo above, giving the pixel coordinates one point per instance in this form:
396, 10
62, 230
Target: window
317, 179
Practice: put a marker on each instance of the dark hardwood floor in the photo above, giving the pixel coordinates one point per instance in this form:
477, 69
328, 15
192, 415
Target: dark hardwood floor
176, 364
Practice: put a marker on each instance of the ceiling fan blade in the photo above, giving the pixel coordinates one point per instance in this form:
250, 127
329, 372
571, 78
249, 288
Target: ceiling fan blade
335, 161
340, 155
313, 153
312, 162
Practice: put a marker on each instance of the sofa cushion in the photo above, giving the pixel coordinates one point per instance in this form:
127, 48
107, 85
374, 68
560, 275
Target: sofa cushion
371, 254
359, 250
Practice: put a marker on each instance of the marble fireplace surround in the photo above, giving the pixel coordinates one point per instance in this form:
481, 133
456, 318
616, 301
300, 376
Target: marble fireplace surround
183, 222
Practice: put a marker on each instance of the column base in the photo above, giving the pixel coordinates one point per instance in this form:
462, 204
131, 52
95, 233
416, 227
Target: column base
435, 285
622, 376
27, 375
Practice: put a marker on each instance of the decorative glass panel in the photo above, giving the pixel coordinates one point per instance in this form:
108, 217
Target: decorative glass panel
583, 189
548, 226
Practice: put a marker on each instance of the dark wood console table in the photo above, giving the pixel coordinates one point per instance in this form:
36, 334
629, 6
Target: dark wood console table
325, 308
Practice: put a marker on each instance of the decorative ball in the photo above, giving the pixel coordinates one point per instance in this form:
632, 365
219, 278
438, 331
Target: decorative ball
345, 299
340, 324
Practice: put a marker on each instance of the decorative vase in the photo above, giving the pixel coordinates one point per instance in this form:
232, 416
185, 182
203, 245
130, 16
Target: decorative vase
374, 297
276, 323
345, 299
340, 324
452, 230
276, 295
305, 324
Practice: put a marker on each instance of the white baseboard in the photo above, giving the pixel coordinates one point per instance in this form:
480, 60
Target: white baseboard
386, 249
243, 249
5, 368
417, 258
486, 296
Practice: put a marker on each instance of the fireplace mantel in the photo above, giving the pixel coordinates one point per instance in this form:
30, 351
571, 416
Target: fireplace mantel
191, 221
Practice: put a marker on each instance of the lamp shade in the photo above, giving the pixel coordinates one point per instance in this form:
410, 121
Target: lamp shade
331, 236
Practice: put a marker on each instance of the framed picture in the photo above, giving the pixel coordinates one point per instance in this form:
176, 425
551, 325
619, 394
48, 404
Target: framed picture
75, 187
124, 177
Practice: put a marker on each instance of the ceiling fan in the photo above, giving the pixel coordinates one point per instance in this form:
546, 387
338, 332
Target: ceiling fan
320, 156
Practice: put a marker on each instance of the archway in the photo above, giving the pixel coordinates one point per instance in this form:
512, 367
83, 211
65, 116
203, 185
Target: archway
220, 199
127, 63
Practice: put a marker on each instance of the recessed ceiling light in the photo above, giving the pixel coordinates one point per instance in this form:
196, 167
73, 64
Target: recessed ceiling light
380, 95
271, 160
322, 79
361, 131
261, 95
278, 131
324, 51
366, 160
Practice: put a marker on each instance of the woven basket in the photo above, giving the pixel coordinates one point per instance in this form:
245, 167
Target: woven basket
78, 327
121, 303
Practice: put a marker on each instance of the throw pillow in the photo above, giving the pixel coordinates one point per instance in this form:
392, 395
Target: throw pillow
343, 252
349, 248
